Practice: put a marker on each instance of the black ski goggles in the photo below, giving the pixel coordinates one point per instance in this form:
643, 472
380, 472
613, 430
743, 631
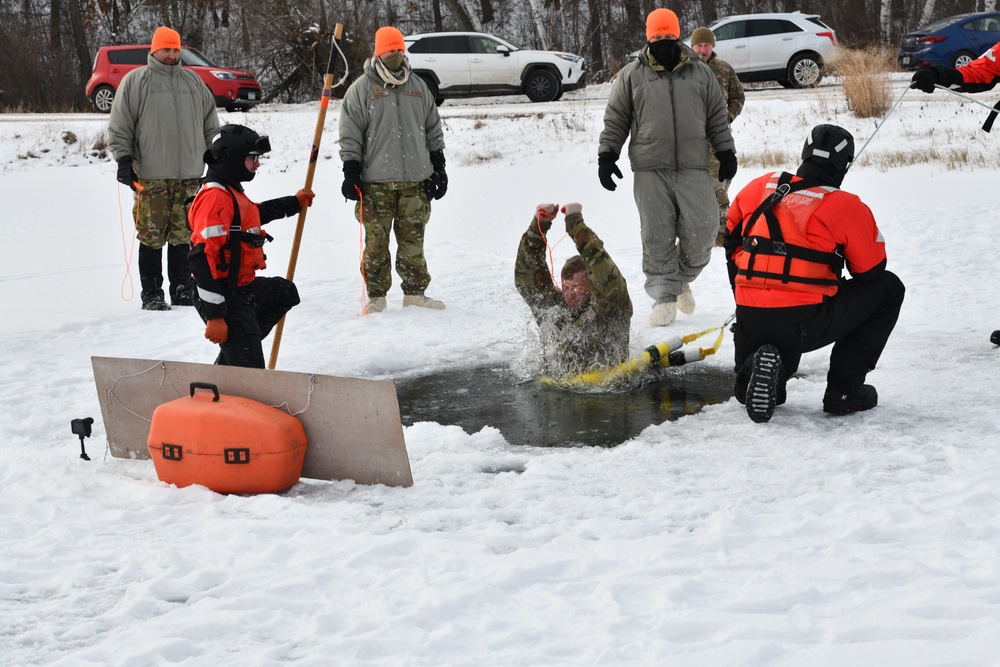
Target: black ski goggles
261, 146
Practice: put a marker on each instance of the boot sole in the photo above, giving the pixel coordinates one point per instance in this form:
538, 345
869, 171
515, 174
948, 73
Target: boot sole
762, 390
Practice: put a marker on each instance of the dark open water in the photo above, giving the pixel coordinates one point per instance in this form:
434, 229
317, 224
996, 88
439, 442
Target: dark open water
530, 413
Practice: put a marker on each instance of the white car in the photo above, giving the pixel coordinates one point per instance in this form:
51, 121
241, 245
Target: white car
474, 64
790, 48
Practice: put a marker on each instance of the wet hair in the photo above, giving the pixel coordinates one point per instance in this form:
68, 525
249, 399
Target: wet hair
573, 266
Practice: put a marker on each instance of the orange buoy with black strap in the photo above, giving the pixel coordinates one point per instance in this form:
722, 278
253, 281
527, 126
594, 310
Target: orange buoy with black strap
229, 444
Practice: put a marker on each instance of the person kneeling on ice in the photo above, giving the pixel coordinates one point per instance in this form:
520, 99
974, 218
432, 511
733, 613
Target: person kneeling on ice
586, 321
227, 248
787, 240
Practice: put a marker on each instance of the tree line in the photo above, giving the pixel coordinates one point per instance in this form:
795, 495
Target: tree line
47, 47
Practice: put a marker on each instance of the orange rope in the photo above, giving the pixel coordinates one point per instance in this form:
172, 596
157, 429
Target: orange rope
127, 252
552, 260
361, 250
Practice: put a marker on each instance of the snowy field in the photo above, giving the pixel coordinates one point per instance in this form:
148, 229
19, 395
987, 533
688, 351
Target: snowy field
872, 539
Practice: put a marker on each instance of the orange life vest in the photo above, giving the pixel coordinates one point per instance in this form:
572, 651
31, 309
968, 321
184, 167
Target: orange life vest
776, 253
228, 223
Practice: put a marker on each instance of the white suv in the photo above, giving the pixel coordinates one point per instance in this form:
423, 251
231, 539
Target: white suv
791, 49
473, 64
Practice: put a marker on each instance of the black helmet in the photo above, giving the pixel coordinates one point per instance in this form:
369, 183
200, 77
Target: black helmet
831, 144
236, 142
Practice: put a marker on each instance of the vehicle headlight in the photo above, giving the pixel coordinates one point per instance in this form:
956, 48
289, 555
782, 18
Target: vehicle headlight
225, 76
569, 56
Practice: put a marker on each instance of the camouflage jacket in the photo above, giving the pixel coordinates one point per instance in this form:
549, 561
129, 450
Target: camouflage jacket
732, 89
575, 339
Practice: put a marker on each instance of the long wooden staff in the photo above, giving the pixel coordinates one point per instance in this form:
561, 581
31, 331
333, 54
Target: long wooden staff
324, 103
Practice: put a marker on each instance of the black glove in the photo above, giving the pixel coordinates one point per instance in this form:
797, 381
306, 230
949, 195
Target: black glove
436, 186
606, 167
352, 181
925, 78
727, 165
126, 174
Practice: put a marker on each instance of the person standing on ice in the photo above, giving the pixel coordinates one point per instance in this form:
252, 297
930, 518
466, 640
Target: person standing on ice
162, 119
670, 103
227, 249
587, 320
703, 43
980, 75
787, 240
392, 146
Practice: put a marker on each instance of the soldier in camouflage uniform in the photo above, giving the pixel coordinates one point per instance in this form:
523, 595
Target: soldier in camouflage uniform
703, 43
586, 323
392, 146
162, 120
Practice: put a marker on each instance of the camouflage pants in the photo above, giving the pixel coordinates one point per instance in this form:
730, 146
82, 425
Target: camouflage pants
403, 208
159, 211
721, 191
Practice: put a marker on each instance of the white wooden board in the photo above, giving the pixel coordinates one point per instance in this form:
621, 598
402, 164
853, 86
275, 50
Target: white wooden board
352, 424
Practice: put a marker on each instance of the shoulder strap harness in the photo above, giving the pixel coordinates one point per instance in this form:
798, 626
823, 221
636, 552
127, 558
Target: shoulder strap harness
775, 245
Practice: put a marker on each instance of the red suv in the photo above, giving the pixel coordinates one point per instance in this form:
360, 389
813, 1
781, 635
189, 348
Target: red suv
233, 89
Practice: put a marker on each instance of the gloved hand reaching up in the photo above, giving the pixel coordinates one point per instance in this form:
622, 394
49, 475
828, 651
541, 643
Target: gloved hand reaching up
217, 330
568, 210
545, 214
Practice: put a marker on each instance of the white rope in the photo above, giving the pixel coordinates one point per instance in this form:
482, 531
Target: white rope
878, 125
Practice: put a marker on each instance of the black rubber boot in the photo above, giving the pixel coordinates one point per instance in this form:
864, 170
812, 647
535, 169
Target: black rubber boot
179, 275
837, 402
151, 278
762, 390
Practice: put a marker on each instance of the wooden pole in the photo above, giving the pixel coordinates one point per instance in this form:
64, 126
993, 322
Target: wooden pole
324, 103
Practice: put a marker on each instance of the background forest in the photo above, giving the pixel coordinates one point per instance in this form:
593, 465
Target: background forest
47, 46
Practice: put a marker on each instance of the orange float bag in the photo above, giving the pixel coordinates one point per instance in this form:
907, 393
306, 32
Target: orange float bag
229, 444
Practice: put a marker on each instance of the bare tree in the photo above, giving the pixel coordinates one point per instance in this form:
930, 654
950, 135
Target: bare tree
885, 22
535, 8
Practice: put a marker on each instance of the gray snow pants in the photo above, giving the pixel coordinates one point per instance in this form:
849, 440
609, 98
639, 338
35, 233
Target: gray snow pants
679, 219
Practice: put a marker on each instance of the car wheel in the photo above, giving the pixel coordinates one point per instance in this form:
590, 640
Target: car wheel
103, 97
541, 86
962, 58
804, 71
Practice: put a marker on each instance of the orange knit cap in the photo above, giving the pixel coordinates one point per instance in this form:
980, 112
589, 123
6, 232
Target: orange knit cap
388, 39
662, 22
165, 38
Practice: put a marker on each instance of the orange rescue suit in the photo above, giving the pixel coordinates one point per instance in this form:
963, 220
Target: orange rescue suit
821, 227
211, 215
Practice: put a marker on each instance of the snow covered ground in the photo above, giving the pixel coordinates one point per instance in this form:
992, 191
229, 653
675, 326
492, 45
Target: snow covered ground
866, 540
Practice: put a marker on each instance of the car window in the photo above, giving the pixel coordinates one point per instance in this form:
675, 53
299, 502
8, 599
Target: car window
445, 44
984, 24
938, 25
761, 27
483, 44
815, 19
734, 30
194, 57
128, 56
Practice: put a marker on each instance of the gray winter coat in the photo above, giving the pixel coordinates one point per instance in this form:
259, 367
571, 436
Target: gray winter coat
672, 117
164, 117
390, 130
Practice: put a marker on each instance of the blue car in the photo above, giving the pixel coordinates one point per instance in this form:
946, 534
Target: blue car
950, 42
